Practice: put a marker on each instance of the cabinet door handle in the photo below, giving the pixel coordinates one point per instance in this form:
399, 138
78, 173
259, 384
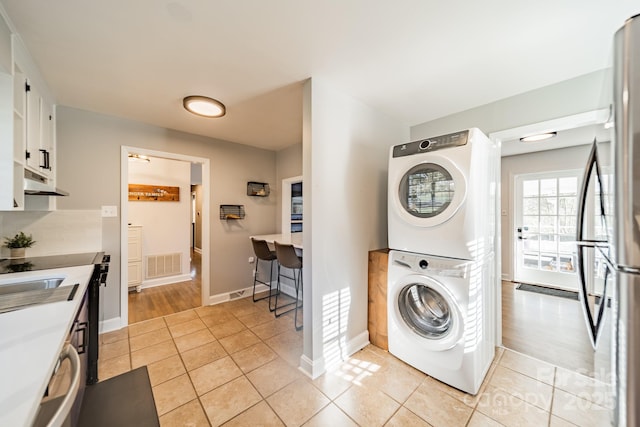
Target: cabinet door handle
43, 158
82, 328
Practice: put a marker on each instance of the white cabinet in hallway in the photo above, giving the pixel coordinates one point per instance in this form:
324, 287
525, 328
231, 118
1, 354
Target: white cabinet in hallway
135, 257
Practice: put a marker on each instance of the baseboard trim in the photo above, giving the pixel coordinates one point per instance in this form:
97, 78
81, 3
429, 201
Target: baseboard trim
355, 344
359, 342
165, 281
110, 325
226, 296
286, 289
314, 368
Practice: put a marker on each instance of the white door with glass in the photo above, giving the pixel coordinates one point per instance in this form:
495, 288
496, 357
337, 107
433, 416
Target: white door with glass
545, 228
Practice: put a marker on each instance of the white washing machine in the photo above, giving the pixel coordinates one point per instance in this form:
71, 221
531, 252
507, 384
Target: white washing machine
442, 195
441, 316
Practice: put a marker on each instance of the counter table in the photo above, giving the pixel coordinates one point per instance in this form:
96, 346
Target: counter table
294, 239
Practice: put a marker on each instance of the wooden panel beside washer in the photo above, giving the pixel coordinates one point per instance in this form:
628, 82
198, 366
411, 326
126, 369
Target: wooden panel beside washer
378, 264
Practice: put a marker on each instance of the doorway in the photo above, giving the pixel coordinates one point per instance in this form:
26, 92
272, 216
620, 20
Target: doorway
292, 202
538, 213
196, 218
204, 163
545, 224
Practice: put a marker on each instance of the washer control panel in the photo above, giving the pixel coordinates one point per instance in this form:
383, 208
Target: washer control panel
431, 144
433, 266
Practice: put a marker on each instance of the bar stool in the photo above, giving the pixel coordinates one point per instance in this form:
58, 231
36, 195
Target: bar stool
287, 257
262, 251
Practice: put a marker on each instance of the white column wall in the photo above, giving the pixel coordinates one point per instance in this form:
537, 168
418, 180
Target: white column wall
345, 149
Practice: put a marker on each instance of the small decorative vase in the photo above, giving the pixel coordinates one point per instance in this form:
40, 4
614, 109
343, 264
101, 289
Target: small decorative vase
17, 252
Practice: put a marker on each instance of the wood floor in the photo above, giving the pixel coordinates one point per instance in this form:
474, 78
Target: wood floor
552, 329
168, 299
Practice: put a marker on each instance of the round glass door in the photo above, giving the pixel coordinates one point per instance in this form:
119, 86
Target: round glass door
426, 190
425, 311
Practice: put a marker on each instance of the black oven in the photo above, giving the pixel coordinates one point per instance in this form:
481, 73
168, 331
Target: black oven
98, 278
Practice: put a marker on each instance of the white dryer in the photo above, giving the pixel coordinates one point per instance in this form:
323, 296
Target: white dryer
441, 318
442, 195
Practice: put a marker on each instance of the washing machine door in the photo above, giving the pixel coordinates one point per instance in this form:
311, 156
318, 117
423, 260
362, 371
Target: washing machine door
429, 311
430, 192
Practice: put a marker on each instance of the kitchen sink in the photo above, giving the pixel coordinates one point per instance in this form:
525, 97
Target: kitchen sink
30, 285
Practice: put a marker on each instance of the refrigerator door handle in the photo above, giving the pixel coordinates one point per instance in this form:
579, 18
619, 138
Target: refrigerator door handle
594, 324
582, 201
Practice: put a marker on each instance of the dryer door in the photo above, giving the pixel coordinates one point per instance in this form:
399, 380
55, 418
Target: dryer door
430, 192
429, 311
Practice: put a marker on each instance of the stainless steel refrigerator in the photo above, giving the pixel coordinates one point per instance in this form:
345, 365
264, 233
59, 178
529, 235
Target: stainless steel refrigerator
609, 245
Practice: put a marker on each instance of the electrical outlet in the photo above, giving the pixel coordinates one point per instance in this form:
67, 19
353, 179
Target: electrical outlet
251, 260
109, 211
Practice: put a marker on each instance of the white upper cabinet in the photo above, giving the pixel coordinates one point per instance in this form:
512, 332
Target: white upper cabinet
33, 158
7, 149
27, 124
39, 131
47, 135
6, 59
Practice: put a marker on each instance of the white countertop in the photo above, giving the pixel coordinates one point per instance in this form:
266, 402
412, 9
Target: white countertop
30, 341
294, 239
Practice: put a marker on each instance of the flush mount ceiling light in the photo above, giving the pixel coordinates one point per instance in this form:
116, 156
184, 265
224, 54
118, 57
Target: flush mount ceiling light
538, 137
204, 106
138, 158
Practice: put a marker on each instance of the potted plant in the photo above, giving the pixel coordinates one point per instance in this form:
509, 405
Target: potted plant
18, 243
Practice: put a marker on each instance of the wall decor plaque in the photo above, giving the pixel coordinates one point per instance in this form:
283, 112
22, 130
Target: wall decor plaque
153, 193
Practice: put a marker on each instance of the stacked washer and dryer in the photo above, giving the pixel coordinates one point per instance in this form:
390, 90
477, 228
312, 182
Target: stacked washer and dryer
442, 269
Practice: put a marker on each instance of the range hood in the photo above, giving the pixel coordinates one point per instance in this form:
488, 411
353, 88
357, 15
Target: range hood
38, 185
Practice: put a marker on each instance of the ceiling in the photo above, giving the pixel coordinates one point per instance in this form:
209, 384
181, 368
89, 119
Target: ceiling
416, 60
582, 135
570, 131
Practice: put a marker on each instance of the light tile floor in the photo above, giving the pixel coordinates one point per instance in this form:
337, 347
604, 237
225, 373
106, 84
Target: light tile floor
233, 364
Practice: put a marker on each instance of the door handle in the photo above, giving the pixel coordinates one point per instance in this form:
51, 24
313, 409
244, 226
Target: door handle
520, 230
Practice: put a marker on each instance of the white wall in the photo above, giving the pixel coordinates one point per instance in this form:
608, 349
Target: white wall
578, 95
88, 163
345, 147
166, 225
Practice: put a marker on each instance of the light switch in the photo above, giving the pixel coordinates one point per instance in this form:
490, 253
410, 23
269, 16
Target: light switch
504, 212
109, 211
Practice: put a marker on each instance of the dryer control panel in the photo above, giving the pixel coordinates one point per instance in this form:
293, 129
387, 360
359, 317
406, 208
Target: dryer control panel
433, 266
431, 144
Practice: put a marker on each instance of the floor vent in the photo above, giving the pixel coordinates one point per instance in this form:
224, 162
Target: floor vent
236, 295
163, 265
